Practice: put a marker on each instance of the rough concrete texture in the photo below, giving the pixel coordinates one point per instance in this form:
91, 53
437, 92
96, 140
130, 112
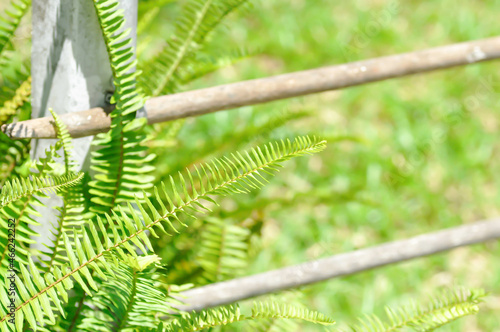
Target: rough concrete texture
70, 72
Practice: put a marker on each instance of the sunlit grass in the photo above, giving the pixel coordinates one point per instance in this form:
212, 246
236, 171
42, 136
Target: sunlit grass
427, 156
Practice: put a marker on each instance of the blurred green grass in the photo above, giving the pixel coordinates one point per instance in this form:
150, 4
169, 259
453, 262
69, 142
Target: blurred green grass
427, 158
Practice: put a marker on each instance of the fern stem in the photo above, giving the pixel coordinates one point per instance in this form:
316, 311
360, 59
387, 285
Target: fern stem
123, 322
119, 171
54, 187
77, 313
183, 50
57, 241
218, 274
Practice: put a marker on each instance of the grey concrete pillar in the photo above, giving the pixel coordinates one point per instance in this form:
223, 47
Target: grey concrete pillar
70, 71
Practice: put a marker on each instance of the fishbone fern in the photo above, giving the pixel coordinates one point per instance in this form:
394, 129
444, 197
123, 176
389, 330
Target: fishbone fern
444, 308
11, 107
129, 300
72, 213
106, 255
19, 199
120, 162
231, 314
65, 142
223, 252
17, 205
20, 188
225, 176
198, 19
9, 25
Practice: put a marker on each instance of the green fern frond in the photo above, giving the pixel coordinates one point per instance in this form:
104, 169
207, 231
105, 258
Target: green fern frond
72, 213
20, 215
223, 252
276, 310
19, 188
119, 47
21, 96
47, 165
198, 18
98, 251
292, 297
231, 314
20, 202
130, 299
17, 208
121, 162
66, 142
444, 308
9, 24
448, 306
14, 159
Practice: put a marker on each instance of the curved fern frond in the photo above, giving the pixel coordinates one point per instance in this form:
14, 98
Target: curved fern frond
19, 188
121, 161
221, 177
66, 142
17, 202
9, 24
231, 314
129, 299
276, 310
444, 308
291, 297
72, 213
19, 209
13, 159
21, 96
223, 252
198, 18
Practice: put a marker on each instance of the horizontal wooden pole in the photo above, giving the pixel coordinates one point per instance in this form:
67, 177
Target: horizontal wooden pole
198, 102
339, 265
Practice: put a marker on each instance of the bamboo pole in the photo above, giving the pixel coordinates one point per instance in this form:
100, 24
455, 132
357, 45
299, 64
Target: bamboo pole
198, 102
339, 265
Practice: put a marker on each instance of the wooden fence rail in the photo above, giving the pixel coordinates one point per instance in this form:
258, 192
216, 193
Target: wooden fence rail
198, 102
339, 265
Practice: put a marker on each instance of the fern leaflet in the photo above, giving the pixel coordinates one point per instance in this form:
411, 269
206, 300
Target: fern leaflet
444, 308
231, 314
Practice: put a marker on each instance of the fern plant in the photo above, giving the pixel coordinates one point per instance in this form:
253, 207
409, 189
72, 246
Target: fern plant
444, 307
165, 71
122, 249
8, 26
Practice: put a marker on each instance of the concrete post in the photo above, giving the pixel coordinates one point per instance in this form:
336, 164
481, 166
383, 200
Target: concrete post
70, 71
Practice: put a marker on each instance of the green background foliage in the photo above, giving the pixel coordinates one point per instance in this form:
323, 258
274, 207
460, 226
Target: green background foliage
424, 158
404, 157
